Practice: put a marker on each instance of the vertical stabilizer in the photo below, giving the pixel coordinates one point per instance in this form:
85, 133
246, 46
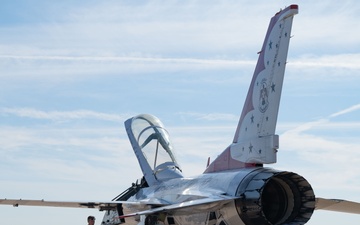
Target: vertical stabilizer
255, 141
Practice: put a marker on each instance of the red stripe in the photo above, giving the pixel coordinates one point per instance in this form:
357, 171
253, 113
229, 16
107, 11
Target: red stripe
294, 7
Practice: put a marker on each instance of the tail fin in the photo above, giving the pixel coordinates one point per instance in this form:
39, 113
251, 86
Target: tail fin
255, 140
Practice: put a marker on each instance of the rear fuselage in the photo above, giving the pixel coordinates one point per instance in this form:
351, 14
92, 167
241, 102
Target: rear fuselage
263, 196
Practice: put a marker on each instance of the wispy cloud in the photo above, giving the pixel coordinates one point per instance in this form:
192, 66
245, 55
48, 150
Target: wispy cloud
64, 67
345, 111
210, 116
346, 61
325, 122
322, 148
76, 67
125, 59
62, 115
349, 61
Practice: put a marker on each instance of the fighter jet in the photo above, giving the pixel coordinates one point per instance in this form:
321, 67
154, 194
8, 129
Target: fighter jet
235, 188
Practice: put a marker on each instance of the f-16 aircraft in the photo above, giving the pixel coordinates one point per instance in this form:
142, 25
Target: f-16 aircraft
235, 188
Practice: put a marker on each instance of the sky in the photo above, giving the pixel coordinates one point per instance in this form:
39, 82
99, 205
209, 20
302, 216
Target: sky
71, 72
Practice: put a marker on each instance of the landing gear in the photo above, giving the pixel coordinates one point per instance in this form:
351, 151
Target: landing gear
111, 216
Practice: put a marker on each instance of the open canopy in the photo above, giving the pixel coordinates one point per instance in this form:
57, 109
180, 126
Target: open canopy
152, 146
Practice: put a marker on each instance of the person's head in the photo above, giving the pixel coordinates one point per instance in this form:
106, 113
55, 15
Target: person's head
91, 219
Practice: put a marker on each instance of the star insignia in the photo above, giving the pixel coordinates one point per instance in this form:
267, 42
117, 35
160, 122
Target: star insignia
270, 45
272, 87
250, 148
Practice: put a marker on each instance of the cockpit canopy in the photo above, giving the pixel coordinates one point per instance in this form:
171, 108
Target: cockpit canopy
152, 146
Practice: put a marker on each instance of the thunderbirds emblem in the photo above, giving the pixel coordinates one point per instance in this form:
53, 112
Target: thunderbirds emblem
264, 97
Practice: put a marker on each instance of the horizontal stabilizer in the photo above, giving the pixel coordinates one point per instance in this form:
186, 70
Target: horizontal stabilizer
188, 207
338, 205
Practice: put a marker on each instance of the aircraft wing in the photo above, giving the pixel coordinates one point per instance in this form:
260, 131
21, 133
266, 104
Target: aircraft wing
338, 205
97, 205
192, 206
188, 207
